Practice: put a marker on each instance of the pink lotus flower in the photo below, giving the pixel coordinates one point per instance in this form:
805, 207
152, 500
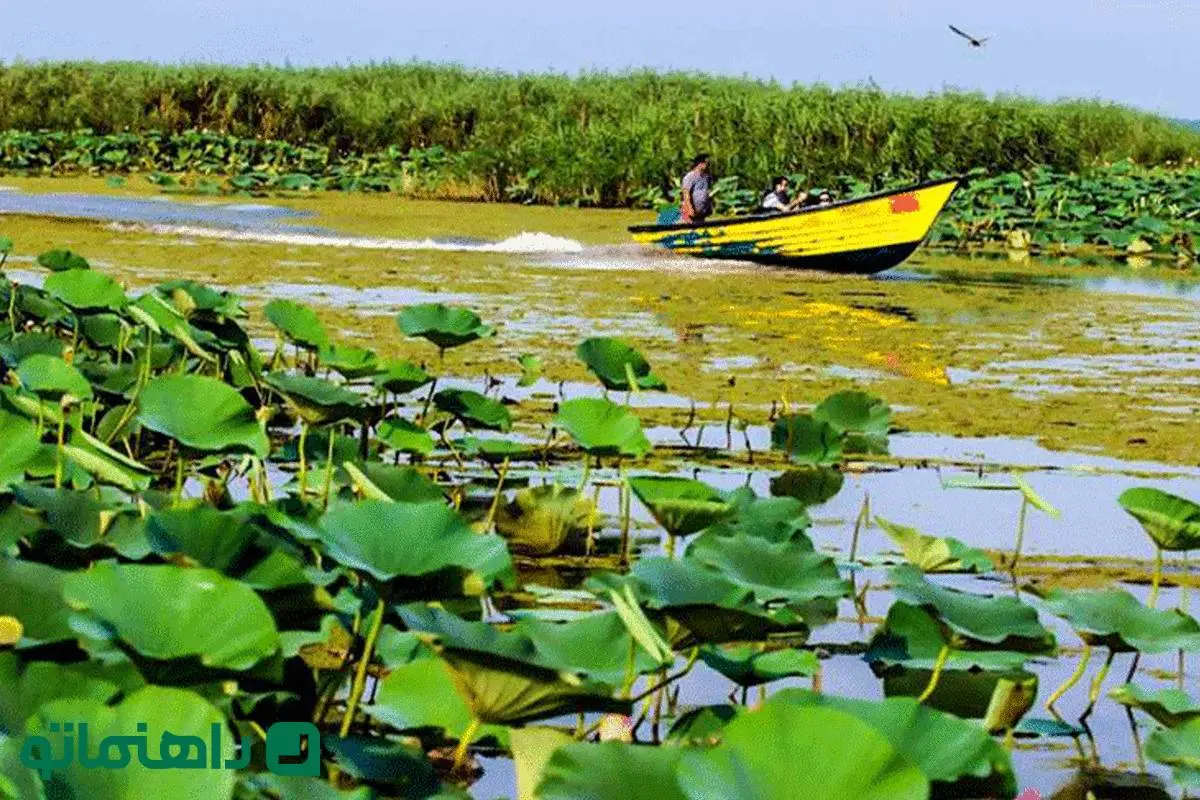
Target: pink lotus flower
1030, 794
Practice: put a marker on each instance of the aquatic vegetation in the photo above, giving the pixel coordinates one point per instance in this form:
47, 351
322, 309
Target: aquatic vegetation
932, 554
1169, 707
617, 365
436, 603
1172, 522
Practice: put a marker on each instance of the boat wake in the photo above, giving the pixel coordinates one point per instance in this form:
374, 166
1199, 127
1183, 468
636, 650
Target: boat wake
527, 242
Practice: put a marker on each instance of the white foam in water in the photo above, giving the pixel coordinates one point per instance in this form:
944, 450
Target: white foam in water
521, 243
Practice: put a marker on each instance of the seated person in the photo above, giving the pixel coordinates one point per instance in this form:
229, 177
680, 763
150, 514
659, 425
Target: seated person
777, 201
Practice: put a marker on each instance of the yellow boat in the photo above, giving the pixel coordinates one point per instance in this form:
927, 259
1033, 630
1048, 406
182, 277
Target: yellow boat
862, 235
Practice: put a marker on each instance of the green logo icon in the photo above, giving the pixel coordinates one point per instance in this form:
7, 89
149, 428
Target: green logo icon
291, 741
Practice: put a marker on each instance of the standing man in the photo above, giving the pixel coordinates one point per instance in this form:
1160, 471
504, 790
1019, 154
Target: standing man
696, 202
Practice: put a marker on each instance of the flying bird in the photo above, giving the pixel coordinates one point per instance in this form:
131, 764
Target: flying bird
974, 42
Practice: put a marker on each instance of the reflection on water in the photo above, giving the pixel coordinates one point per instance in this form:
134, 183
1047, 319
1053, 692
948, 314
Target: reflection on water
1148, 286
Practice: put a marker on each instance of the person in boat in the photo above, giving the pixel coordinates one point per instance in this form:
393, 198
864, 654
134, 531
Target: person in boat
696, 196
776, 200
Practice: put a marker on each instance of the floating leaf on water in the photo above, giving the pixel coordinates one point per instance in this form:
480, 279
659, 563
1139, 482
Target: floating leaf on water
1046, 728
614, 361
602, 427
776, 519
1169, 707
810, 485
444, 326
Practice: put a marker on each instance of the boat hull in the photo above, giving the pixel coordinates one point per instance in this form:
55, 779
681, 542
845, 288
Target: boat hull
862, 235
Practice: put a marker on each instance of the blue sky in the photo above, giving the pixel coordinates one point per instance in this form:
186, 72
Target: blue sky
1139, 52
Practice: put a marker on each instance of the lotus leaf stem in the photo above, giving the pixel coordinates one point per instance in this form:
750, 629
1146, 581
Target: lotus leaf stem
360, 675
1076, 676
179, 476
1020, 536
1157, 580
591, 527
464, 743
428, 400
938, 665
143, 379
58, 452
624, 503
328, 469
303, 461
491, 516
672, 678
863, 515
1098, 684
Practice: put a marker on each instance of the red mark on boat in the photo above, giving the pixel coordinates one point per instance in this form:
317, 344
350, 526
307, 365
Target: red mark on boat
905, 204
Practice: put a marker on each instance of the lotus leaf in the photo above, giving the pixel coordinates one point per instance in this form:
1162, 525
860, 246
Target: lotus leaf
164, 712
1173, 522
913, 637
531, 369
32, 593
681, 505
398, 484
162, 317
776, 519
401, 766
807, 440
299, 324
400, 434
602, 427
617, 365
19, 444
167, 612
751, 666
1178, 748
759, 751
1004, 621
931, 554
16, 349
1169, 707
350, 362
541, 519
864, 420
24, 688
401, 377
62, 260
316, 401
202, 413
105, 464
474, 409
1115, 619
52, 378
811, 485
393, 540
444, 326
86, 290
611, 771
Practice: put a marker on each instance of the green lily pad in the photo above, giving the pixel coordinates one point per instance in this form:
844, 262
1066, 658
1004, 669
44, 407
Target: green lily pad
1169, 707
62, 260
86, 290
170, 717
316, 401
25, 687
681, 505
807, 440
32, 593
401, 377
52, 378
602, 427
349, 362
810, 485
408, 540
19, 444
1000, 620
531, 369
400, 434
202, 413
611, 771
750, 666
539, 520
1115, 619
474, 409
444, 326
1173, 522
1178, 748
864, 420
618, 365
759, 750
776, 519
298, 323
167, 612
398, 484
932, 554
